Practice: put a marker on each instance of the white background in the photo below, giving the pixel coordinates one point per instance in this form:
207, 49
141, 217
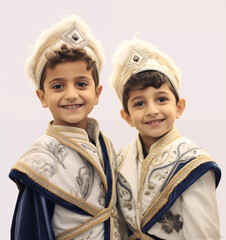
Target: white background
192, 32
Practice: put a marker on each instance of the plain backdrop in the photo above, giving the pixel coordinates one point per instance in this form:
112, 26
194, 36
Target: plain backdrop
192, 32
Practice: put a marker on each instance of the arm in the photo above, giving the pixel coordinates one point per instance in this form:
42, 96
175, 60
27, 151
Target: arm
32, 216
200, 211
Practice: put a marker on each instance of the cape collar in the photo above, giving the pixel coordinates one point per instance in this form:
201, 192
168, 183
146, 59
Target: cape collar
90, 134
158, 145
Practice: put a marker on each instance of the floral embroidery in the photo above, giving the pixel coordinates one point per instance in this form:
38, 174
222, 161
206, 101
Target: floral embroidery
58, 150
84, 180
124, 192
46, 160
171, 222
39, 164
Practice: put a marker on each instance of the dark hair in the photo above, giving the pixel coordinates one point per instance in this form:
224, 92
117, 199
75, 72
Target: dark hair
144, 80
65, 54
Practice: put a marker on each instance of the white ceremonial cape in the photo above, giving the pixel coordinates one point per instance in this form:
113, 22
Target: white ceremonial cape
171, 193
77, 176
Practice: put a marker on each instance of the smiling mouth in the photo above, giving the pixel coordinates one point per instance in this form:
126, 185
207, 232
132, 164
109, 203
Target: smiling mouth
155, 122
72, 106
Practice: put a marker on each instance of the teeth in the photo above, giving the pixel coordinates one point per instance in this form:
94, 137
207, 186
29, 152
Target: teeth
71, 106
155, 122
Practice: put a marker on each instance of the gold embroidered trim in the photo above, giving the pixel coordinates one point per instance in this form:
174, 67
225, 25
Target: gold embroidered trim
175, 181
51, 131
138, 235
163, 142
124, 157
157, 148
172, 136
112, 226
39, 179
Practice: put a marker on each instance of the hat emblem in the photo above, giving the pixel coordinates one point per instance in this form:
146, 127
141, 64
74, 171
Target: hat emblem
137, 58
75, 37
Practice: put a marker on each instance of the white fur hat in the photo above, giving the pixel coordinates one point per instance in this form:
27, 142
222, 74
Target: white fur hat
136, 56
71, 31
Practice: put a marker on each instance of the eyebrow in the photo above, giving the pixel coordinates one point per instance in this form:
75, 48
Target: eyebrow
78, 78
136, 98
162, 92
140, 97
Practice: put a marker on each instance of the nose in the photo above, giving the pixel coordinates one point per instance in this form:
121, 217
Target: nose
71, 93
152, 109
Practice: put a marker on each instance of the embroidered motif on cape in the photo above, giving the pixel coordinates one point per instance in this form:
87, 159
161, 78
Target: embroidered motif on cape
126, 202
164, 166
84, 180
38, 163
124, 193
117, 235
58, 150
171, 222
36, 158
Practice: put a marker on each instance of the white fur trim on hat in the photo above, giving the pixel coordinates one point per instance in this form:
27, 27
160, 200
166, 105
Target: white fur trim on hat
136, 56
71, 31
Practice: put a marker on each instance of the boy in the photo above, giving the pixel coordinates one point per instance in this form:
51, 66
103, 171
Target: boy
166, 183
66, 179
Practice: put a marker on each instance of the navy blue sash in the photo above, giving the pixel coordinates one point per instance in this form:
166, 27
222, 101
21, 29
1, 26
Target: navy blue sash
108, 173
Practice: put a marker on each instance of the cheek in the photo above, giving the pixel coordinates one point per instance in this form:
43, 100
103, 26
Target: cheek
171, 111
53, 101
88, 95
136, 119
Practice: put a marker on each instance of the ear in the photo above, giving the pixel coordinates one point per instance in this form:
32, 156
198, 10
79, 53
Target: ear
41, 95
98, 92
180, 107
126, 117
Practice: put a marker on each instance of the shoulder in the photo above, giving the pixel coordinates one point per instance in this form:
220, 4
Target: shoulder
187, 149
44, 156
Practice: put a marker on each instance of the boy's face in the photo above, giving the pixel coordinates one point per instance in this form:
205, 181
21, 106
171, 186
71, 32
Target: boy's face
70, 93
153, 112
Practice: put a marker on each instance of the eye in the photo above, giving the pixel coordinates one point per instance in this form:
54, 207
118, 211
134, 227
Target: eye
139, 104
58, 86
82, 84
161, 99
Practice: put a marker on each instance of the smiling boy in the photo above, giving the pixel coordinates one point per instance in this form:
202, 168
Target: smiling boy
152, 112
166, 184
66, 179
69, 93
